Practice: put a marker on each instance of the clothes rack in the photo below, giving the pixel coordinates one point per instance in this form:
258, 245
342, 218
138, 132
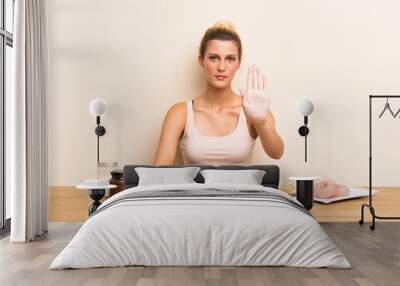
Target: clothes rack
369, 205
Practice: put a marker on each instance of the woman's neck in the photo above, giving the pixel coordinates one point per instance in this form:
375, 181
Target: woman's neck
218, 97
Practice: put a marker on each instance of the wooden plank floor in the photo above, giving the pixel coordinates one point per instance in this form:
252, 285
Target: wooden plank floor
374, 255
70, 204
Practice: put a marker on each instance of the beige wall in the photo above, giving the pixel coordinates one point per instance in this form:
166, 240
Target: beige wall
140, 56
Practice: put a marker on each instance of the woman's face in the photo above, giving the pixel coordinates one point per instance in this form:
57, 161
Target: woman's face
220, 62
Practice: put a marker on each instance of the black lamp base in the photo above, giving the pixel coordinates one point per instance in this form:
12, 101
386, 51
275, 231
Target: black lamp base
100, 130
303, 130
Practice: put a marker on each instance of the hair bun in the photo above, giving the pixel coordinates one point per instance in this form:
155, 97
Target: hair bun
227, 25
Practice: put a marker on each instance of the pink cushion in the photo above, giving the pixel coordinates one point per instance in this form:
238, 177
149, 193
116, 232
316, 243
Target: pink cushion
327, 189
342, 191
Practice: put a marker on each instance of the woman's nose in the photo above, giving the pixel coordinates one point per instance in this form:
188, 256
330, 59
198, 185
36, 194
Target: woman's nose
221, 66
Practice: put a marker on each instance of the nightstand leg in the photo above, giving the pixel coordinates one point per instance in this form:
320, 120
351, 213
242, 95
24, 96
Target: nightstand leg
96, 195
93, 207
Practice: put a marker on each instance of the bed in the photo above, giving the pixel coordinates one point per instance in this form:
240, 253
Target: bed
201, 224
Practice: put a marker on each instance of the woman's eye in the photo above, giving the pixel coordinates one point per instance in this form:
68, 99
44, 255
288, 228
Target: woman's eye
231, 59
212, 58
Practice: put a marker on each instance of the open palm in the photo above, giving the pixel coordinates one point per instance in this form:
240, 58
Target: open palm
255, 100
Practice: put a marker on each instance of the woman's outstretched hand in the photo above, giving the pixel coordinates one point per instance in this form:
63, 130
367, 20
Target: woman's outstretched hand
255, 100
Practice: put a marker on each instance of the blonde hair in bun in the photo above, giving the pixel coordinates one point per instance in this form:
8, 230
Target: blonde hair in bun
227, 25
224, 31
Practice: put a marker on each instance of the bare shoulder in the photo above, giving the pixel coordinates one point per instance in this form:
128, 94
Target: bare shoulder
177, 111
175, 118
178, 107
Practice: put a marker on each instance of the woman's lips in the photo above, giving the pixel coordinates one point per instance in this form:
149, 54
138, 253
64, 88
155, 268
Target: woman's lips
220, 77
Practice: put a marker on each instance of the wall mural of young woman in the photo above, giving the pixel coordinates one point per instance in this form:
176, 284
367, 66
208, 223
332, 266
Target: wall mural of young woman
220, 126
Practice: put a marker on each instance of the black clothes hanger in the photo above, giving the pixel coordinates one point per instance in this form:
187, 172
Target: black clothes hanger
387, 107
397, 113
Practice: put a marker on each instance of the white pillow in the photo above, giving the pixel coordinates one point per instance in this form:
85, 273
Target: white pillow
249, 177
162, 176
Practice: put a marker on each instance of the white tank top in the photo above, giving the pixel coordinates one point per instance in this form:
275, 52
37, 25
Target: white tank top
233, 148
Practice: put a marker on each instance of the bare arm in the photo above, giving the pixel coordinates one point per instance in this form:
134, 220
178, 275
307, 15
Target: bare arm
173, 126
257, 105
271, 141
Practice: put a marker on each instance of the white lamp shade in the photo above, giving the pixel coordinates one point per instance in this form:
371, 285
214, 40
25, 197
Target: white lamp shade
306, 107
97, 107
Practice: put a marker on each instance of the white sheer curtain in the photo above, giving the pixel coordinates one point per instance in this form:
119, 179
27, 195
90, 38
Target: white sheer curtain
28, 120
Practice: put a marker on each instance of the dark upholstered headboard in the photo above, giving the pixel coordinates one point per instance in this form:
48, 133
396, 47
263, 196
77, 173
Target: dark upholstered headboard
270, 179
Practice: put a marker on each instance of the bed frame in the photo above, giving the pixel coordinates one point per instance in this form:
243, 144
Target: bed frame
270, 179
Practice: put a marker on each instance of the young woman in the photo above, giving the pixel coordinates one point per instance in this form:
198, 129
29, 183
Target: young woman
220, 127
